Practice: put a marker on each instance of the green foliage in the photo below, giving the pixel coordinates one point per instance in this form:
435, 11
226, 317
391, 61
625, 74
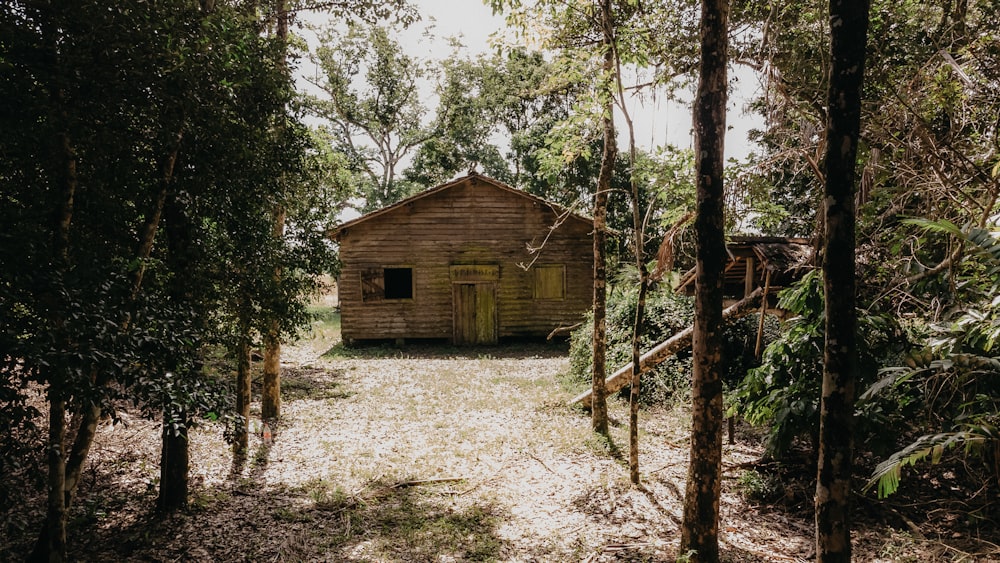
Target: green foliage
956, 377
150, 124
759, 487
783, 394
667, 313
888, 473
372, 108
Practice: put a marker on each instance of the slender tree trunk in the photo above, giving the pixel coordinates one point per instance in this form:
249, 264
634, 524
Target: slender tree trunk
270, 400
174, 456
700, 529
599, 406
270, 406
639, 240
242, 440
85, 433
640, 313
51, 544
849, 32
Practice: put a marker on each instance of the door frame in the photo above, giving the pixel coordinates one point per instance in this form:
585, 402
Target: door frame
484, 278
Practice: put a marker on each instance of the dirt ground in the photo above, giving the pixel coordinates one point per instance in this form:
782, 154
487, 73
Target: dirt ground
437, 455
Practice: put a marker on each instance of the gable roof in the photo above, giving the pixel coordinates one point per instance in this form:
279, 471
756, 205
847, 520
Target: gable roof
556, 208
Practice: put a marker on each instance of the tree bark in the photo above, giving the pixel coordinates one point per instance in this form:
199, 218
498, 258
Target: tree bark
174, 463
51, 544
270, 400
640, 313
242, 440
849, 32
700, 528
599, 410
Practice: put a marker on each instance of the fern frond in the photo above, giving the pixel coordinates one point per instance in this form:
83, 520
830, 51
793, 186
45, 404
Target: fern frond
887, 474
941, 226
891, 377
985, 240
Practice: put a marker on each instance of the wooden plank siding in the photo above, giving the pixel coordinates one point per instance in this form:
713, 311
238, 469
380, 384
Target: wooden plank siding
472, 221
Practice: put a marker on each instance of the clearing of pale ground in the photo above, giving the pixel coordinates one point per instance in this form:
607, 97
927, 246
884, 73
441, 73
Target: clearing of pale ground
427, 454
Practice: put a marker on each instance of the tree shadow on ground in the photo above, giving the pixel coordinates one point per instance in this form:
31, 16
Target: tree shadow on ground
430, 349
410, 523
644, 524
318, 522
298, 383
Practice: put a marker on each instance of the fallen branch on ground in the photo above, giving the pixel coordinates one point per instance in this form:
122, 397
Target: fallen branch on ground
416, 482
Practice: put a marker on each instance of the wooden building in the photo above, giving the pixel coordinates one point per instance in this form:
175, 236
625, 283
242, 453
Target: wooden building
455, 262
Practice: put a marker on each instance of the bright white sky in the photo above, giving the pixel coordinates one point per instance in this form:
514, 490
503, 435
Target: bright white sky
657, 121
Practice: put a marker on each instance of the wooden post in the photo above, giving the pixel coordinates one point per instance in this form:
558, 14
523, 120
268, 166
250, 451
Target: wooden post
763, 311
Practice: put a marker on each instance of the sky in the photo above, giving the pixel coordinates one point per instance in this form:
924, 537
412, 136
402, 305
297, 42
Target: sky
658, 122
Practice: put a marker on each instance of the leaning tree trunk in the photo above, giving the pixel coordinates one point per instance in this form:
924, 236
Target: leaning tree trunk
849, 32
700, 528
599, 408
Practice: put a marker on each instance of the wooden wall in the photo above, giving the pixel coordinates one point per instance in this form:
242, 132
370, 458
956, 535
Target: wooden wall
471, 222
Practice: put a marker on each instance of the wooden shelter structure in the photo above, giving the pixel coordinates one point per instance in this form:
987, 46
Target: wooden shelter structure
471, 261
772, 263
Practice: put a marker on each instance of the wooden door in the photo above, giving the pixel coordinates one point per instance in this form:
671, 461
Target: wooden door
475, 313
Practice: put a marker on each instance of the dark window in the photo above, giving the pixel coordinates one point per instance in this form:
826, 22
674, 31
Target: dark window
398, 283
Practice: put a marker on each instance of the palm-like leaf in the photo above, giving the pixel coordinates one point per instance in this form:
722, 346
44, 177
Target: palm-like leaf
887, 474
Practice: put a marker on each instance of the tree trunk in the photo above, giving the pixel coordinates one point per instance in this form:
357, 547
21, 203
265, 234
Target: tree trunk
599, 410
242, 440
51, 544
270, 400
849, 32
174, 463
174, 444
633, 399
700, 529
85, 434
640, 308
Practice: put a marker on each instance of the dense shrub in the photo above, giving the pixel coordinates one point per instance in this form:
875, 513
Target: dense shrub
667, 313
783, 394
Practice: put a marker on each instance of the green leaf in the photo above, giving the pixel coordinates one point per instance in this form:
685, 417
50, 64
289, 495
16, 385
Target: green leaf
887, 474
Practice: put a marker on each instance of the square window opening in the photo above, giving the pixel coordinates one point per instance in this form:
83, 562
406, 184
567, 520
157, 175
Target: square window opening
398, 283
